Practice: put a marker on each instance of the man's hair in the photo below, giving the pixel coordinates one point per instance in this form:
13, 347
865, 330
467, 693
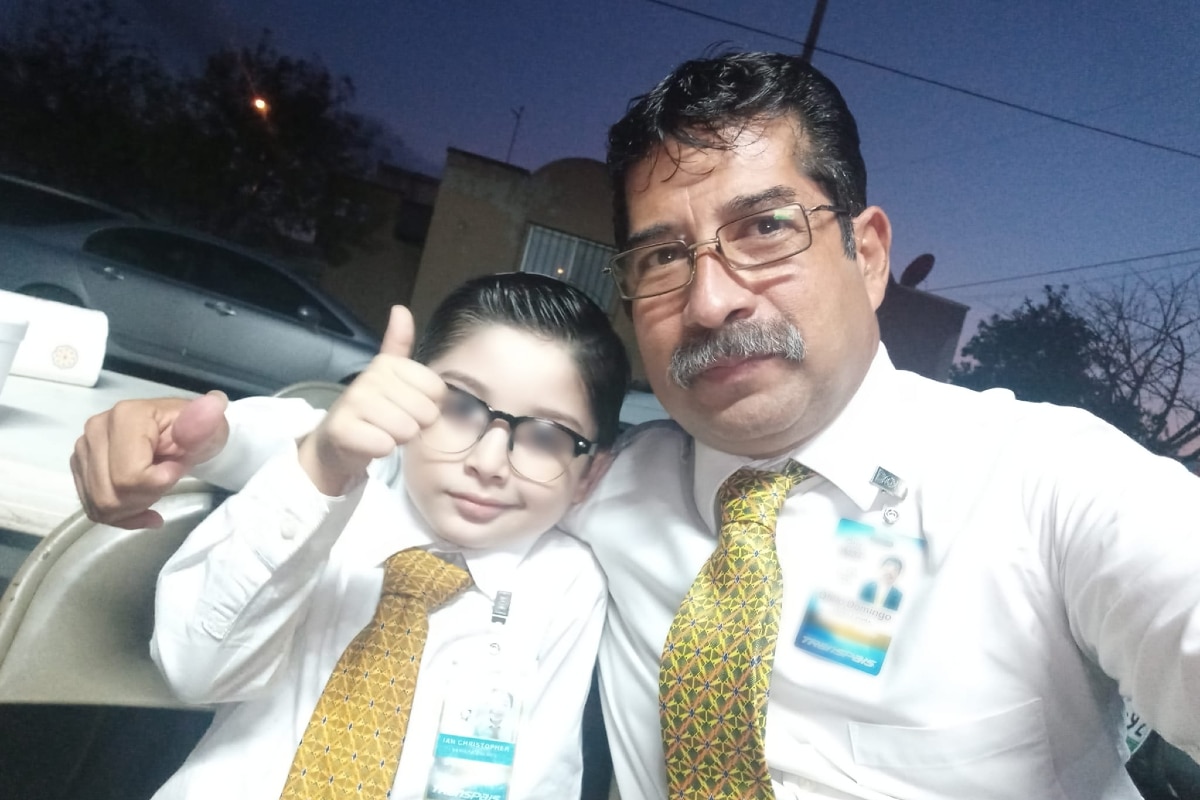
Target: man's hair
707, 103
548, 308
892, 560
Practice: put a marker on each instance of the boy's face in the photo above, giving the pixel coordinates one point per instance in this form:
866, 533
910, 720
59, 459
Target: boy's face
475, 498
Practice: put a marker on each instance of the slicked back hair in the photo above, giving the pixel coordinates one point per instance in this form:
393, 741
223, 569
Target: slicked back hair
548, 308
706, 103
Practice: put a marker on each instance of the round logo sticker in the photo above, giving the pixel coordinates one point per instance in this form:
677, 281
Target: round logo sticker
64, 356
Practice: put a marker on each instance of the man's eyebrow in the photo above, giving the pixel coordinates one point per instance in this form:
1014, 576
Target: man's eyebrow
736, 206
749, 203
655, 233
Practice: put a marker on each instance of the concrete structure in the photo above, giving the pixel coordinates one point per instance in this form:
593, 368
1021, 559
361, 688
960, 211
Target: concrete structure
921, 330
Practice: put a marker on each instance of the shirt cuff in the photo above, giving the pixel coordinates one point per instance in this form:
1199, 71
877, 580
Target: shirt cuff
259, 427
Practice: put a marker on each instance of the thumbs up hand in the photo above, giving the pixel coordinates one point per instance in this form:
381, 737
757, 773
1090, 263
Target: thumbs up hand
388, 404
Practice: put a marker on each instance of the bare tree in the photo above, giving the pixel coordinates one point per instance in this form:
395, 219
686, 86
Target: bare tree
1129, 354
1147, 356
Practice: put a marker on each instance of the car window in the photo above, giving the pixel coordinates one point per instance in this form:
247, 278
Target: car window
251, 281
155, 251
29, 206
213, 268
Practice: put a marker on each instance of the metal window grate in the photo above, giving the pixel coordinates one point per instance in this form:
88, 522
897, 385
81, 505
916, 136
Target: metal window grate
577, 261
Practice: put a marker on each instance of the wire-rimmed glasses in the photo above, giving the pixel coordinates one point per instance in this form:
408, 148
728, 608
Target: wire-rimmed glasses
754, 240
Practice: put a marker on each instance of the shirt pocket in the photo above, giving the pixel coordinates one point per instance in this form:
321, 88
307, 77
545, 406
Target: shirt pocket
1000, 756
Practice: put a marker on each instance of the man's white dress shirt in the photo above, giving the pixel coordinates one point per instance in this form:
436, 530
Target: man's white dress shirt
257, 606
1059, 570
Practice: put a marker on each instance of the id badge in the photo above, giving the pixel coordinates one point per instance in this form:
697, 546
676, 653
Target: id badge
852, 616
477, 732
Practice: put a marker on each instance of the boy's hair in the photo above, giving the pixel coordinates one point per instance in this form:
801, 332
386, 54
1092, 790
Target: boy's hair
545, 307
707, 102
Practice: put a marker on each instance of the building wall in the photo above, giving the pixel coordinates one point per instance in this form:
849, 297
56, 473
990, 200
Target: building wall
477, 227
380, 270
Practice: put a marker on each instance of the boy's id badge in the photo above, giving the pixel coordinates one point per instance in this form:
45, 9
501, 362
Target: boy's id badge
477, 734
852, 616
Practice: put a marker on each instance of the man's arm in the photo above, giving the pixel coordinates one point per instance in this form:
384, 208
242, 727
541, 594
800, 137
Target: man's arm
131, 455
1126, 549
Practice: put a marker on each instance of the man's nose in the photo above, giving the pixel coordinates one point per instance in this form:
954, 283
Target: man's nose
717, 295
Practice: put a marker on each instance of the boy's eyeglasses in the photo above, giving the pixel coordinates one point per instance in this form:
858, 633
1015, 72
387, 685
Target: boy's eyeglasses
538, 449
755, 240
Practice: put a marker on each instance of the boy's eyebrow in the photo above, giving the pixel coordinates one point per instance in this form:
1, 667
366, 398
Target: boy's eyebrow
736, 206
479, 390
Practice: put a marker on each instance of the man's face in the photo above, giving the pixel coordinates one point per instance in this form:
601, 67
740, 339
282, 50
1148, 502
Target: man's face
756, 406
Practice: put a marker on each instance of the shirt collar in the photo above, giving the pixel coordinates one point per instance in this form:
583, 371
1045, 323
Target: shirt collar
847, 452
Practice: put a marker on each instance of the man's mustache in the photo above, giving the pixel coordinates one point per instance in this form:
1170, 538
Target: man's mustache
744, 338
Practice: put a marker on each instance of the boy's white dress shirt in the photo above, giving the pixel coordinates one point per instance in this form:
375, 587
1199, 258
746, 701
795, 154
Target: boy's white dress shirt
256, 607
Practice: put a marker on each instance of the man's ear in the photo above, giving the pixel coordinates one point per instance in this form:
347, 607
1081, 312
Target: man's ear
596, 469
873, 249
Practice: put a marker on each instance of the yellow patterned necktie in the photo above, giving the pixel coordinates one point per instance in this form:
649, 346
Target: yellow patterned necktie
351, 747
716, 664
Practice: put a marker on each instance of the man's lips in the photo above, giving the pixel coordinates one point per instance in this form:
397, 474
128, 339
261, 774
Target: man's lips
726, 368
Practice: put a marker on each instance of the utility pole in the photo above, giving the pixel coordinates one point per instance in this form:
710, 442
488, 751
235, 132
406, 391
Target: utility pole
814, 29
517, 113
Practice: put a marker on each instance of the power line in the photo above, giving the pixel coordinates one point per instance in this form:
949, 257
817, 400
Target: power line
990, 299
931, 81
1064, 270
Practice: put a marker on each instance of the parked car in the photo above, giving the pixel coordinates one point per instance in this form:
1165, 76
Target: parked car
177, 301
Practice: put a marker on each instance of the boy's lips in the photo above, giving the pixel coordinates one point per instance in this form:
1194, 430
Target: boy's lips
475, 508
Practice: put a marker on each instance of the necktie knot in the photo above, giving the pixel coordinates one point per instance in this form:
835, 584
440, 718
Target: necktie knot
751, 495
424, 577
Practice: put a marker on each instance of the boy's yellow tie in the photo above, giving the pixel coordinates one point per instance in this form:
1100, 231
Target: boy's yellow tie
352, 744
716, 664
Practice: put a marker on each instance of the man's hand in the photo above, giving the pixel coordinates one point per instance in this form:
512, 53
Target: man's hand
387, 405
132, 454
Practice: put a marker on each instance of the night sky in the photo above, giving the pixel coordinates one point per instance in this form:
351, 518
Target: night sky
992, 191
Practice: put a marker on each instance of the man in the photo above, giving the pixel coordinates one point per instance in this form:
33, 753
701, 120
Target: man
882, 591
1050, 561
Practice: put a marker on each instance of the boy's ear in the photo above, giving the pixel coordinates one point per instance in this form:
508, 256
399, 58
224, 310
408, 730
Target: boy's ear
596, 469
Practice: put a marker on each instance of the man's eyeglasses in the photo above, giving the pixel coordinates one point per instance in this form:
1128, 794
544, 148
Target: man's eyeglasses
755, 240
538, 449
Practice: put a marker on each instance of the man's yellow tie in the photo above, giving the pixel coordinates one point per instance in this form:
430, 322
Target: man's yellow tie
352, 744
716, 664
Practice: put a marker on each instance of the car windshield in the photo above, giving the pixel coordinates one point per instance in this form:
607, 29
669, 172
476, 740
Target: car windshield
27, 206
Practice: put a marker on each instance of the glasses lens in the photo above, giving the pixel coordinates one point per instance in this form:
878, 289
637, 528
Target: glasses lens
653, 269
541, 451
765, 237
463, 420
